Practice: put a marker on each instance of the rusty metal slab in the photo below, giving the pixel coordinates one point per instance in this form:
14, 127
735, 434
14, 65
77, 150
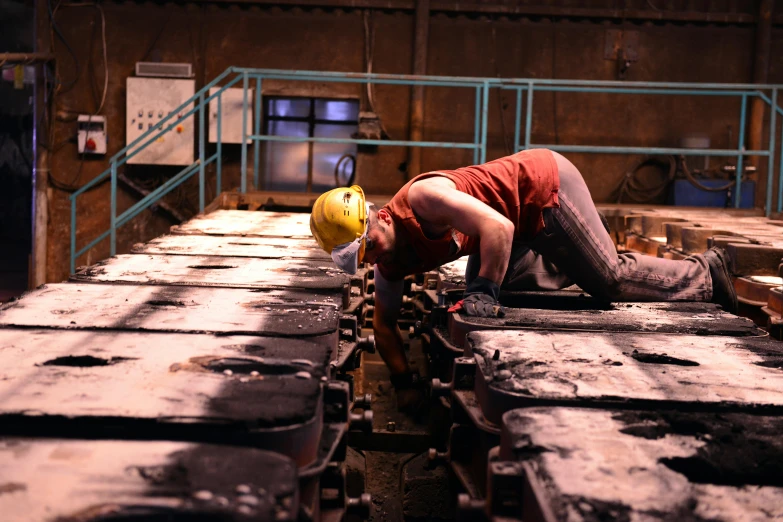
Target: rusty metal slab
586, 465
234, 272
259, 247
163, 386
182, 309
643, 245
754, 290
694, 239
754, 260
248, 224
89, 481
572, 311
522, 368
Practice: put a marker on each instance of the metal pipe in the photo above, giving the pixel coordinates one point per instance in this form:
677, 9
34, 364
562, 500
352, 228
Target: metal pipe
219, 167
760, 74
740, 147
113, 216
40, 174
648, 150
466, 81
400, 143
170, 184
243, 187
780, 183
529, 115
484, 122
660, 92
26, 58
771, 159
201, 155
257, 144
517, 119
477, 125
73, 235
420, 40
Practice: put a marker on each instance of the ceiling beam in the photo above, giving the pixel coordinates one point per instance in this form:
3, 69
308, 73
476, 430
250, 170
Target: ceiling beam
504, 9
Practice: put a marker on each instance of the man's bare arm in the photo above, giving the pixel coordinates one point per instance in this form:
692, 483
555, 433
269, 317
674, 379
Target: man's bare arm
437, 201
388, 338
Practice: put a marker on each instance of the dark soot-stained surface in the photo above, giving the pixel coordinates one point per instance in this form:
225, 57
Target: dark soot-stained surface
233, 272
595, 465
174, 309
518, 368
134, 378
43, 480
674, 317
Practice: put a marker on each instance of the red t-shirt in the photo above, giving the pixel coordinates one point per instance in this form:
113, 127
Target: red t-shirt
519, 187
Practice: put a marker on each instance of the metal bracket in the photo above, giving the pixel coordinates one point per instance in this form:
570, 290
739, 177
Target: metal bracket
506, 480
333, 495
621, 45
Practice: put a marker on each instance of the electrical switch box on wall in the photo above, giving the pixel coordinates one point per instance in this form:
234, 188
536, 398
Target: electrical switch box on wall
149, 100
231, 104
91, 134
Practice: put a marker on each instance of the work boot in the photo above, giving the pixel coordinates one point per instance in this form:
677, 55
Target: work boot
723, 292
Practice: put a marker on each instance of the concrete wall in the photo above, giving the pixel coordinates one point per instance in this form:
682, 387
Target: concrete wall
214, 38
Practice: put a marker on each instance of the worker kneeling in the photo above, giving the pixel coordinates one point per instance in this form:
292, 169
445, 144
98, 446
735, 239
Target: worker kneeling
527, 221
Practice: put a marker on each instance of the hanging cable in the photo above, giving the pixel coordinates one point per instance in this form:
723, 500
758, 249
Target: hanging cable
56, 30
71, 185
631, 187
695, 182
342, 164
369, 50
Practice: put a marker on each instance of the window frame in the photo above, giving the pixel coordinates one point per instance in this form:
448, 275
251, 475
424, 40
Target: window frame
311, 121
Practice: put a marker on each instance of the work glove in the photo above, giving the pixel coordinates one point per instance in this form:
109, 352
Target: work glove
481, 299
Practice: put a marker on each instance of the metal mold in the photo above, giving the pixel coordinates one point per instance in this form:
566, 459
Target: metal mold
226, 272
581, 464
223, 311
241, 223
673, 317
187, 391
694, 373
256, 247
89, 480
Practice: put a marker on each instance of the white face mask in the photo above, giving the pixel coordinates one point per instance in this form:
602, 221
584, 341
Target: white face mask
346, 255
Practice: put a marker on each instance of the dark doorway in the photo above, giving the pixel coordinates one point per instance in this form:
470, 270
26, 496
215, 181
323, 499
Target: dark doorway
16, 148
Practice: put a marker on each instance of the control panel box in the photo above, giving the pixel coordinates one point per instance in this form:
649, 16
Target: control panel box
149, 100
91, 134
231, 104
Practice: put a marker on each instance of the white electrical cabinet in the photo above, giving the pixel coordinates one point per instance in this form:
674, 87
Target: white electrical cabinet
149, 100
230, 115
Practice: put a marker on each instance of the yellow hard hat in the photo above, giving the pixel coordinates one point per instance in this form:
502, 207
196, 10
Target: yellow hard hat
339, 218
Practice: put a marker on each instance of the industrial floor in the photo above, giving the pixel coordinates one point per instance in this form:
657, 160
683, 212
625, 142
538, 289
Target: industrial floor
227, 371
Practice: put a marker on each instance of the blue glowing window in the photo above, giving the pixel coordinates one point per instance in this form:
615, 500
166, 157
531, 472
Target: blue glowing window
307, 166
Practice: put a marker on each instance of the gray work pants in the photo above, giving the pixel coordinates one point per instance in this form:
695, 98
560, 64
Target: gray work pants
574, 247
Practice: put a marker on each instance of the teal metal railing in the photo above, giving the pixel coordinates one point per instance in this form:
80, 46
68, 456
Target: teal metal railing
525, 90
